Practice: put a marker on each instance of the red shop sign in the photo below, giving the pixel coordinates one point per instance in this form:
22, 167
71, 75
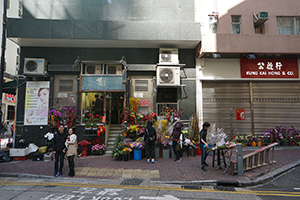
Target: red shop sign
269, 68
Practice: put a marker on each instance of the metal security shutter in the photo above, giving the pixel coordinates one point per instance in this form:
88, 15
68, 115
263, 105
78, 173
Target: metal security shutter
220, 101
276, 104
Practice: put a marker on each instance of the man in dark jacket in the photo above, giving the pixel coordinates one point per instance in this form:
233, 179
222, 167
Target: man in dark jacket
59, 149
149, 139
203, 134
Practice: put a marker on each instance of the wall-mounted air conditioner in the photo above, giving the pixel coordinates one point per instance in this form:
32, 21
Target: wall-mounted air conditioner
93, 69
114, 69
168, 75
260, 18
168, 56
35, 66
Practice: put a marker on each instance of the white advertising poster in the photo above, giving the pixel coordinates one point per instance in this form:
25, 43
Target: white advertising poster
36, 103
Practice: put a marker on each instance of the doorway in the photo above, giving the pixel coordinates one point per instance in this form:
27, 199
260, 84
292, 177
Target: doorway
114, 107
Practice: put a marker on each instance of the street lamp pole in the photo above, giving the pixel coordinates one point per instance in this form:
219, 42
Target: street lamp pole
3, 46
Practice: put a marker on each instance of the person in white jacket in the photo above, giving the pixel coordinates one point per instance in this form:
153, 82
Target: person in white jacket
71, 144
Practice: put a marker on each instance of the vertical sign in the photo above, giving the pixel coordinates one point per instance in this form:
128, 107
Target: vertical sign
240, 114
36, 103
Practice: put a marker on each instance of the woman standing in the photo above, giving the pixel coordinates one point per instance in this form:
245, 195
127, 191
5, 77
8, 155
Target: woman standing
71, 144
150, 138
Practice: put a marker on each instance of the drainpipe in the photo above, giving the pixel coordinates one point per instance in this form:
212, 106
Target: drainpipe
251, 107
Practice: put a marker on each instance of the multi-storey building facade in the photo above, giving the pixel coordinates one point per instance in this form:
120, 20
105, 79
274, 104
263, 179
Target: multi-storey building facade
248, 65
103, 34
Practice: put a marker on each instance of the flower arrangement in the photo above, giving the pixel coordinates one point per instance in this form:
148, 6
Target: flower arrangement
71, 116
55, 117
98, 147
127, 150
138, 144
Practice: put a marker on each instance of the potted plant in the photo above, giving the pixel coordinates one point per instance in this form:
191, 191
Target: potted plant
119, 145
98, 149
126, 152
88, 126
137, 147
94, 126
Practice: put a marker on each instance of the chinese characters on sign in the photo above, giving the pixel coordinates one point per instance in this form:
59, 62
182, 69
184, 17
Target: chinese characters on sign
269, 68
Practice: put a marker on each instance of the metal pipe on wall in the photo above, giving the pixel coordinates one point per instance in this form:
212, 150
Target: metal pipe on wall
251, 106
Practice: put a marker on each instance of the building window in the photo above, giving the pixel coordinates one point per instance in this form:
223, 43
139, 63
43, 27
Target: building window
141, 85
213, 24
259, 29
65, 85
236, 24
288, 25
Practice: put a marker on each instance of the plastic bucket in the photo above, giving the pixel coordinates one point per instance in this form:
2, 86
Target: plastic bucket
137, 154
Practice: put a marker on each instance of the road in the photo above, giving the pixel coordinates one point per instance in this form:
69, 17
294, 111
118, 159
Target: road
286, 186
80, 189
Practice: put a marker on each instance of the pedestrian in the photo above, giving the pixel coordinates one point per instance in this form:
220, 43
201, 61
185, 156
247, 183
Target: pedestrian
149, 139
71, 145
203, 134
176, 134
59, 149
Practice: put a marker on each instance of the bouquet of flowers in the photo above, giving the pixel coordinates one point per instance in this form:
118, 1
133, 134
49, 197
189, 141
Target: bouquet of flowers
127, 150
137, 144
70, 116
55, 117
98, 147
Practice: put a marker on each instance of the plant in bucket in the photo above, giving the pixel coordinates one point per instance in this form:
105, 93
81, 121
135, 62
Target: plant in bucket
137, 147
126, 152
98, 149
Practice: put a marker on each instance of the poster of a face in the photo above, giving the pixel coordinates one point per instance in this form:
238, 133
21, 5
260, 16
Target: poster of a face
36, 103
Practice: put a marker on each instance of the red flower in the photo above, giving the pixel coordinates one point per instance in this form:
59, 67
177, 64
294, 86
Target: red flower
93, 117
97, 116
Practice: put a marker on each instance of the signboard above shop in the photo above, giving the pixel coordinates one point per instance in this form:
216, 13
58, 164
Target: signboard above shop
269, 68
102, 82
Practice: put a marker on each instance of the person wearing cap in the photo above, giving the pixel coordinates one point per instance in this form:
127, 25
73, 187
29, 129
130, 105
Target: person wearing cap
203, 134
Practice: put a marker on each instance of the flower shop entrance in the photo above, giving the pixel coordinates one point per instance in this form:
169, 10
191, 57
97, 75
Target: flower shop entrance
114, 107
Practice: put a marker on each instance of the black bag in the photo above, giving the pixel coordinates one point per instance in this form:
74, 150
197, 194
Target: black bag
151, 137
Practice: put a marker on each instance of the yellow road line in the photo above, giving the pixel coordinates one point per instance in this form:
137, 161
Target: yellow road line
147, 187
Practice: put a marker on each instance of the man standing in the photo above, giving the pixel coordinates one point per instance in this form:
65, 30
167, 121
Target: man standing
59, 149
203, 134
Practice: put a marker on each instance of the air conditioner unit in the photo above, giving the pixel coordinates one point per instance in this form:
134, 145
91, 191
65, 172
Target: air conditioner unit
114, 69
93, 69
168, 56
168, 75
35, 66
260, 18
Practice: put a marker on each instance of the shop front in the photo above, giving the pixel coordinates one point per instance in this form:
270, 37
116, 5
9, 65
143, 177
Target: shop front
249, 96
102, 99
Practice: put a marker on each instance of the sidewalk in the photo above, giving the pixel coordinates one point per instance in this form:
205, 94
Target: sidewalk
188, 171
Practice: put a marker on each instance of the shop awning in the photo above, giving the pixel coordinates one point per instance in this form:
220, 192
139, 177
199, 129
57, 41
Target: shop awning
10, 87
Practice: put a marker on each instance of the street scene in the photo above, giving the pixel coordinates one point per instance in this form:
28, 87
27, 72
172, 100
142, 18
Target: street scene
136, 99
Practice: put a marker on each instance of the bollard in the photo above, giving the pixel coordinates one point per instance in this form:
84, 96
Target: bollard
239, 156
